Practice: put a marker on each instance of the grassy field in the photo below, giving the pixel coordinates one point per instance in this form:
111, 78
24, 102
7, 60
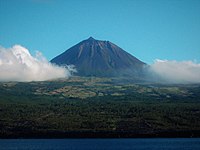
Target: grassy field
98, 107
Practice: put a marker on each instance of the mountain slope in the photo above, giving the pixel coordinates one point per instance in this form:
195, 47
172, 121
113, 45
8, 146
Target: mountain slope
100, 58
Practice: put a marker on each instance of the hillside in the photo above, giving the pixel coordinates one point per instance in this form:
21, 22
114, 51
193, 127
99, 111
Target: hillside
98, 107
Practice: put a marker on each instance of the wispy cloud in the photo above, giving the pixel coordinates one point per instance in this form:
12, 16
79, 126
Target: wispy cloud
177, 72
17, 64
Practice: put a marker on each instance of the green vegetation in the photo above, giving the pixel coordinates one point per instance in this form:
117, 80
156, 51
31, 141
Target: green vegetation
97, 105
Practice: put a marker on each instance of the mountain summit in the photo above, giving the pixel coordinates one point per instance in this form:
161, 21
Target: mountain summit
93, 57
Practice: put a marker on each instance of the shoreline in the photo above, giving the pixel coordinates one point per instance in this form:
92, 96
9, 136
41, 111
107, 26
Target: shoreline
100, 134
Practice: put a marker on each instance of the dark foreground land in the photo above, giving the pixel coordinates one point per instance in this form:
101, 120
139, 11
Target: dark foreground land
98, 108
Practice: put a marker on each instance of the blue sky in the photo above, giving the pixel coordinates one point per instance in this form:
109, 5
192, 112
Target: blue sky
148, 29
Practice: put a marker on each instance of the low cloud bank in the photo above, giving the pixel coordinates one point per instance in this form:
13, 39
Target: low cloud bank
17, 64
176, 72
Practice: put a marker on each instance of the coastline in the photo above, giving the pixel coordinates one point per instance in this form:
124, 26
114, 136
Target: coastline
100, 134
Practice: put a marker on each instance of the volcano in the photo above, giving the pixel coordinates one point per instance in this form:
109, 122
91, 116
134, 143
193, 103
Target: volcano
99, 58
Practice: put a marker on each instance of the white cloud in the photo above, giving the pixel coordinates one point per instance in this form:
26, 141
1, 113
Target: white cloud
177, 72
16, 64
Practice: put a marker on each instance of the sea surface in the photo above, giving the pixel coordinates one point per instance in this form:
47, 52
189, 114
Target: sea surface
101, 144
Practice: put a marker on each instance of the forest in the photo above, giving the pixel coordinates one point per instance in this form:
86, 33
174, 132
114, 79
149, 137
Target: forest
98, 107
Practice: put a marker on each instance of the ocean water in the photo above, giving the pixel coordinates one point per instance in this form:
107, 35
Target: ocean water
101, 144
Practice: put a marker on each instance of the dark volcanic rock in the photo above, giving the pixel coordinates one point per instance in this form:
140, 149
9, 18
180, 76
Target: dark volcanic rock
100, 58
